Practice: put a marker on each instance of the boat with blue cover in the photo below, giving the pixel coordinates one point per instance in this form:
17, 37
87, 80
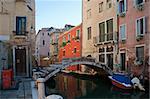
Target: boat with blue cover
121, 81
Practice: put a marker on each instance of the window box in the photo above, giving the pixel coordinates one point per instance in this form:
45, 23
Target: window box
77, 38
123, 41
122, 14
140, 7
139, 4
139, 37
138, 62
64, 44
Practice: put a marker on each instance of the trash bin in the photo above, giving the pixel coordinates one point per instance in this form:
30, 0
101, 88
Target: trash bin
7, 76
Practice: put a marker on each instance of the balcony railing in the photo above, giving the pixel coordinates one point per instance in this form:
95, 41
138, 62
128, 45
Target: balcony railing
104, 38
21, 0
20, 33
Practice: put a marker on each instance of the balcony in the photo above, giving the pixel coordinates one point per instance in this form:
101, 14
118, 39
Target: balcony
21, 34
105, 38
140, 4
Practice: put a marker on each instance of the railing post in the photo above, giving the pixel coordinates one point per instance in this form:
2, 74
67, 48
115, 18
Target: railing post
41, 88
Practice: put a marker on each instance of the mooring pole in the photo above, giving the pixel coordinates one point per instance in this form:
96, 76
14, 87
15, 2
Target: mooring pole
41, 88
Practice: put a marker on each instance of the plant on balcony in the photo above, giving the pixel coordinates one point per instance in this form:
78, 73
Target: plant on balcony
123, 41
77, 38
122, 14
64, 44
117, 66
139, 37
140, 6
138, 62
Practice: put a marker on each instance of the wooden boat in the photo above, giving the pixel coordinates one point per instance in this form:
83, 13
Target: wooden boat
121, 81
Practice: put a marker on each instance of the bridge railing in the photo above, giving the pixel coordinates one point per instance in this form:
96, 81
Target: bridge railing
88, 59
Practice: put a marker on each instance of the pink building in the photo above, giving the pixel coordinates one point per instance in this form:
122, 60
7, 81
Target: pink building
42, 44
134, 33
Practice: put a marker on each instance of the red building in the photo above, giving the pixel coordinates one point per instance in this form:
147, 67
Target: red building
134, 33
70, 44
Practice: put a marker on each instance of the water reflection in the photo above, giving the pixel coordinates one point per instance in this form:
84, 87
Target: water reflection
76, 87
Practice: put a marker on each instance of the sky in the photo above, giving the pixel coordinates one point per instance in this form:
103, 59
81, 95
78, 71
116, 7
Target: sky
57, 13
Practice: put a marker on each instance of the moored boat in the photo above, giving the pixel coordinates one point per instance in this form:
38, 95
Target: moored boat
121, 81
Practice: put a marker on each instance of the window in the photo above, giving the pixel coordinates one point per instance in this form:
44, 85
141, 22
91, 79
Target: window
75, 50
100, 7
102, 32
63, 53
140, 53
140, 26
101, 50
138, 2
64, 39
89, 33
109, 49
88, 13
78, 33
109, 3
43, 42
123, 32
122, 6
102, 58
48, 34
48, 53
43, 34
109, 29
20, 25
68, 37
88, 0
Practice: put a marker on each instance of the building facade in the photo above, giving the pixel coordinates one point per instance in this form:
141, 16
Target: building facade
42, 45
134, 35
100, 30
17, 33
70, 45
54, 44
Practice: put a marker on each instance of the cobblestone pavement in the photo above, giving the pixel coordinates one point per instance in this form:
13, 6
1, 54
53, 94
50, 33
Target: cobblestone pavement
24, 91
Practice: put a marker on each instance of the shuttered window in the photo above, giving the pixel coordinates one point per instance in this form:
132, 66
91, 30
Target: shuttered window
123, 32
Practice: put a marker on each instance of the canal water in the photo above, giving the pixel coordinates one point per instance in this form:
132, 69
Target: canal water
84, 87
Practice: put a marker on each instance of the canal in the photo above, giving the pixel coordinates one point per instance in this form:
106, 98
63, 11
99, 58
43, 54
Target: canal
72, 86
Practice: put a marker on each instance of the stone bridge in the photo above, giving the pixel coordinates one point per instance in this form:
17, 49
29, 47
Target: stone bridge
53, 69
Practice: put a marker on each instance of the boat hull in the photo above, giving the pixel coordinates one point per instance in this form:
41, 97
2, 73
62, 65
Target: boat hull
119, 84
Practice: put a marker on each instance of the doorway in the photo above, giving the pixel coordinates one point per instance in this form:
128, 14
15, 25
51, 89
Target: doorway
110, 60
122, 61
20, 60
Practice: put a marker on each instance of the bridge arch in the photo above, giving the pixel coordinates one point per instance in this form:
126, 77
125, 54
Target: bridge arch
79, 61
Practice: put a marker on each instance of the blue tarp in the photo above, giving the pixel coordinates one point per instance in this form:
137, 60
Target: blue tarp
122, 78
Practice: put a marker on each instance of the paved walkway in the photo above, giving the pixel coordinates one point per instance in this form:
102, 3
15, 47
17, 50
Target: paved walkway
24, 91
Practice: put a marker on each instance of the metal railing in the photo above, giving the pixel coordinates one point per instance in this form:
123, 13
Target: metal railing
21, 0
110, 36
104, 38
20, 33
